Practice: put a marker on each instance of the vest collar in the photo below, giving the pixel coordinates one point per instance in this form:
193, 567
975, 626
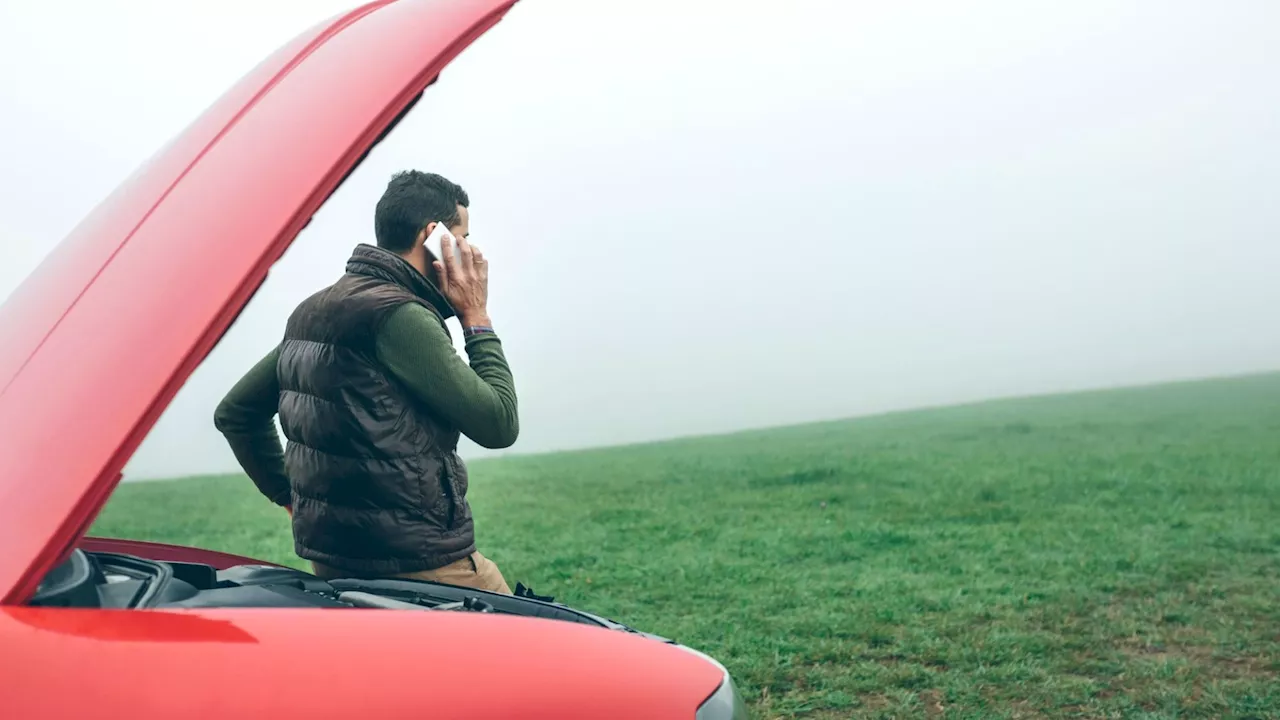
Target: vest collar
373, 261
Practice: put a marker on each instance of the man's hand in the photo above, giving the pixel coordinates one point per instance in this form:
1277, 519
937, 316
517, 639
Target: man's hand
465, 281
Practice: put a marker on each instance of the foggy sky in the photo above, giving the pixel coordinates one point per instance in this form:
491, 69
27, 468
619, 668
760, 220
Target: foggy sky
705, 216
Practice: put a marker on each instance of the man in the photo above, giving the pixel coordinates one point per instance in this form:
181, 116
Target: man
372, 399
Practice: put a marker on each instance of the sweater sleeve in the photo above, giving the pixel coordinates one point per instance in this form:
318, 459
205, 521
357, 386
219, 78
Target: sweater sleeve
478, 398
246, 418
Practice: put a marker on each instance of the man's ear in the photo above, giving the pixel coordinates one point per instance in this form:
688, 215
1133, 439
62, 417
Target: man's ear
423, 233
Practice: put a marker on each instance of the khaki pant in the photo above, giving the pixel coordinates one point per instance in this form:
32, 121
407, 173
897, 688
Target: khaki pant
473, 571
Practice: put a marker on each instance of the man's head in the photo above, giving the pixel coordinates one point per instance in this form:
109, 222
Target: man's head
412, 201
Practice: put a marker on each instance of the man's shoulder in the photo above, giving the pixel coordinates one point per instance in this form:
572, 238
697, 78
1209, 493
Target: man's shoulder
411, 340
351, 292
416, 317
355, 309
310, 302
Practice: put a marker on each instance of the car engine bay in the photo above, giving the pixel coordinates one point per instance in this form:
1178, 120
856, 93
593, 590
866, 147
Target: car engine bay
117, 581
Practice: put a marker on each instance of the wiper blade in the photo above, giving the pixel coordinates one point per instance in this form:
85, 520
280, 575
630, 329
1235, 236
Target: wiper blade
369, 600
362, 599
527, 592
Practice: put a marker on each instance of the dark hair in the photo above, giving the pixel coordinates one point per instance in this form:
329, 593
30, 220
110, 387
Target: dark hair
413, 199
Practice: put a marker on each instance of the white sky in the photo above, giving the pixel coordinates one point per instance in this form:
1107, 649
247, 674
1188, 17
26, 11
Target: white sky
711, 215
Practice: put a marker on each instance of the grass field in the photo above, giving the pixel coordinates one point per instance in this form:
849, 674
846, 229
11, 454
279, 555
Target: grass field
1097, 555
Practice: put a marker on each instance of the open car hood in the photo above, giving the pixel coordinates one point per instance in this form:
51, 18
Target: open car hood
95, 344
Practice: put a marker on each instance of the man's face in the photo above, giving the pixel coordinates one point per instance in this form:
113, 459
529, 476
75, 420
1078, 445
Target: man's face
462, 228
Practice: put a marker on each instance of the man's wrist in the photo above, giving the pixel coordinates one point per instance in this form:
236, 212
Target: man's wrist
479, 319
471, 331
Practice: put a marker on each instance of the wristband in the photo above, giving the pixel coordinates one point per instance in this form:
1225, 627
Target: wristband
476, 330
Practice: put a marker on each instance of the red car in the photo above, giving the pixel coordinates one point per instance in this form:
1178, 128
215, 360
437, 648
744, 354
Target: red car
99, 339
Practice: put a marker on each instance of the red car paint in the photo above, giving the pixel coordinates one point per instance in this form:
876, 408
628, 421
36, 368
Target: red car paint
99, 339
337, 664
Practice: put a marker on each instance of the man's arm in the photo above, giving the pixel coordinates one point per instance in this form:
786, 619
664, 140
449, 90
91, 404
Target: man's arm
479, 399
246, 417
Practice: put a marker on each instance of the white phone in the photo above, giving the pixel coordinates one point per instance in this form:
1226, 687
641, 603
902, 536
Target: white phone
433, 242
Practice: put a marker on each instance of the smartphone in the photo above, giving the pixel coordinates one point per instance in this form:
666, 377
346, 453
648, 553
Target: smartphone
433, 242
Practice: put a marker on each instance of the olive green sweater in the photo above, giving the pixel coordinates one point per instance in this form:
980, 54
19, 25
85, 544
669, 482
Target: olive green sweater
478, 399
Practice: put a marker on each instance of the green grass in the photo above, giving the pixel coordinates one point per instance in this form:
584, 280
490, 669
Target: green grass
1097, 555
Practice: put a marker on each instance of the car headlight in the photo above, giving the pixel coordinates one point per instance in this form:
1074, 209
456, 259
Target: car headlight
726, 703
